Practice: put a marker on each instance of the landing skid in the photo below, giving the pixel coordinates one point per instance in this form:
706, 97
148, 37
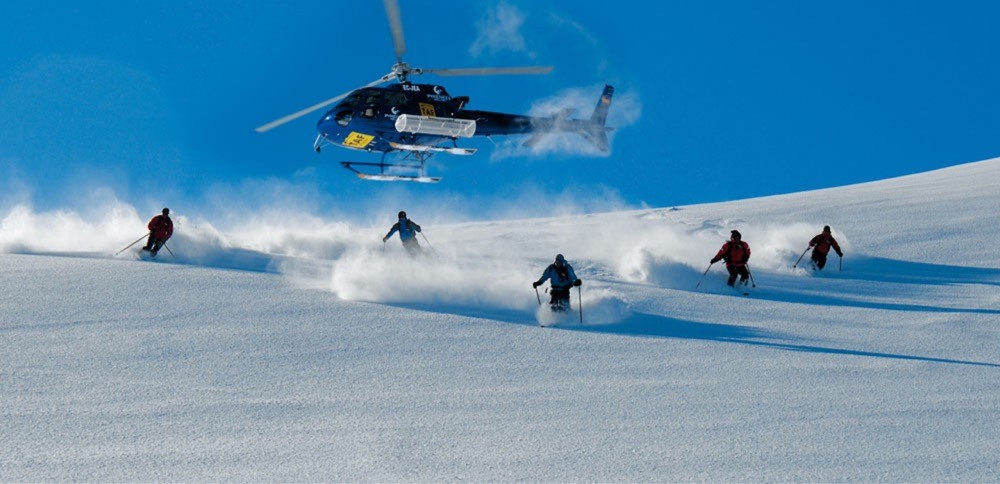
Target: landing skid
383, 176
435, 149
414, 162
411, 167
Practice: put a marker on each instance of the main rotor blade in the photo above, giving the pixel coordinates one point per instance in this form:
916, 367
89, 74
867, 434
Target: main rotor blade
489, 71
314, 107
396, 26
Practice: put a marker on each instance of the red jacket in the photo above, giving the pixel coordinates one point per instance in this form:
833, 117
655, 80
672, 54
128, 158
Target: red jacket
161, 227
821, 244
734, 253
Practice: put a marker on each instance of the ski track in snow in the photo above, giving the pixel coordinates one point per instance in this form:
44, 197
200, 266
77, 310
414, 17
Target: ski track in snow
308, 350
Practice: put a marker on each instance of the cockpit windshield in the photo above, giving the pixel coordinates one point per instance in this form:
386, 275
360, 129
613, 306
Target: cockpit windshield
351, 100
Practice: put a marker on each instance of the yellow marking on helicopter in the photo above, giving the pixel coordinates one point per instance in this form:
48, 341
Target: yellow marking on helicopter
358, 140
427, 109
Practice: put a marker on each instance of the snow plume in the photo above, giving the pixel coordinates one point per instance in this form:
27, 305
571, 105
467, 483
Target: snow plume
499, 30
626, 109
665, 248
455, 279
600, 306
16, 191
100, 228
487, 264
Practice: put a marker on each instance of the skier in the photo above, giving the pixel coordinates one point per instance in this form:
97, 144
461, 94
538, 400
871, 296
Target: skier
821, 247
562, 276
160, 229
407, 233
736, 253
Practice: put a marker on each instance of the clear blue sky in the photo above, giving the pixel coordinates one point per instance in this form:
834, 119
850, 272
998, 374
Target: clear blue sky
157, 101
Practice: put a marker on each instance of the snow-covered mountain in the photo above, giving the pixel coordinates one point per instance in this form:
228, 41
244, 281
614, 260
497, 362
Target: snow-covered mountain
306, 350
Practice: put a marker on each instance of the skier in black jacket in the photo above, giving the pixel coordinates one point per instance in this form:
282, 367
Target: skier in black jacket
562, 276
407, 234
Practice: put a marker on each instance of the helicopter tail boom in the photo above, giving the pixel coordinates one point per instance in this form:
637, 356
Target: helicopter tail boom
593, 130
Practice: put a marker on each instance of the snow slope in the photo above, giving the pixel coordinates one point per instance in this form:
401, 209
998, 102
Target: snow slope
308, 351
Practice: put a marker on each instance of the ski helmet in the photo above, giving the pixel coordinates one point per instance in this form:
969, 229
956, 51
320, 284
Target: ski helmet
560, 259
826, 228
166, 211
402, 214
735, 234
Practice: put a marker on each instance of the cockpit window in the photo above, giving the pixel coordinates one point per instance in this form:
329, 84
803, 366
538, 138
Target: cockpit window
397, 99
372, 97
352, 99
343, 118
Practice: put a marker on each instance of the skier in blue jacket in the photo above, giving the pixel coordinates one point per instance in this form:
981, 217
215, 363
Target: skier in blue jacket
563, 278
407, 233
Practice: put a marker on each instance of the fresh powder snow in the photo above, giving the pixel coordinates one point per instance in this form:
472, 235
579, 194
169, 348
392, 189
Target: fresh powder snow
306, 350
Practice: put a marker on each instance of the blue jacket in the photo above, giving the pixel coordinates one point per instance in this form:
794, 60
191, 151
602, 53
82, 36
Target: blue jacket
407, 230
562, 280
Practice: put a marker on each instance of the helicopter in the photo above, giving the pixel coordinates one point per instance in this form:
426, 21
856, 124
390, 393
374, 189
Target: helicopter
409, 122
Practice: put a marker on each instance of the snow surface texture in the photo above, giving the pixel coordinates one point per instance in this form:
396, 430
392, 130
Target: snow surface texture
306, 350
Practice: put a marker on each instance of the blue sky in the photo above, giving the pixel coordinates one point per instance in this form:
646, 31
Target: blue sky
155, 102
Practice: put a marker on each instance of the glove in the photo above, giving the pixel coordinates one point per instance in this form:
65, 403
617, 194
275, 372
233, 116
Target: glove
384, 239
840, 254
536, 284
578, 282
715, 260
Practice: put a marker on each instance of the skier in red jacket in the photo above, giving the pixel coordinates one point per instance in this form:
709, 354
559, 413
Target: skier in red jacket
160, 229
821, 245
736, 253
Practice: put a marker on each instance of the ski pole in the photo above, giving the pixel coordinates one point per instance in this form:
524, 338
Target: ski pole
579, 295
704, 274
428, 243
800, 257
841, 269
169, 251
750, 273
133, 243
537, 296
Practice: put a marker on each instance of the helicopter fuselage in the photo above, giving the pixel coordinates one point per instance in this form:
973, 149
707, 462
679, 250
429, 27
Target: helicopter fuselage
368, 118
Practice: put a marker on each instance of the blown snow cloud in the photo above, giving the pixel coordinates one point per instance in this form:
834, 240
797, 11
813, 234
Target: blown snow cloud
485, 264
626, 110
499, 30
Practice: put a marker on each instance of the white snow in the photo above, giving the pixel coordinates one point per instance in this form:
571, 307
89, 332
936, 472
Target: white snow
301, 349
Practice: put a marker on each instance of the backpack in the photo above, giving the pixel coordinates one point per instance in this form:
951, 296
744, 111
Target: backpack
563, 273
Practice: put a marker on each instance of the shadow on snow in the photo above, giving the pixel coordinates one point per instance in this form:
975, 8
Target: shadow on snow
650, 325
879, 269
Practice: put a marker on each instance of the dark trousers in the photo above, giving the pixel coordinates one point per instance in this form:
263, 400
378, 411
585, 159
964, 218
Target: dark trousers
819, 260
740, 271
153, 244
559, 298
413, 247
